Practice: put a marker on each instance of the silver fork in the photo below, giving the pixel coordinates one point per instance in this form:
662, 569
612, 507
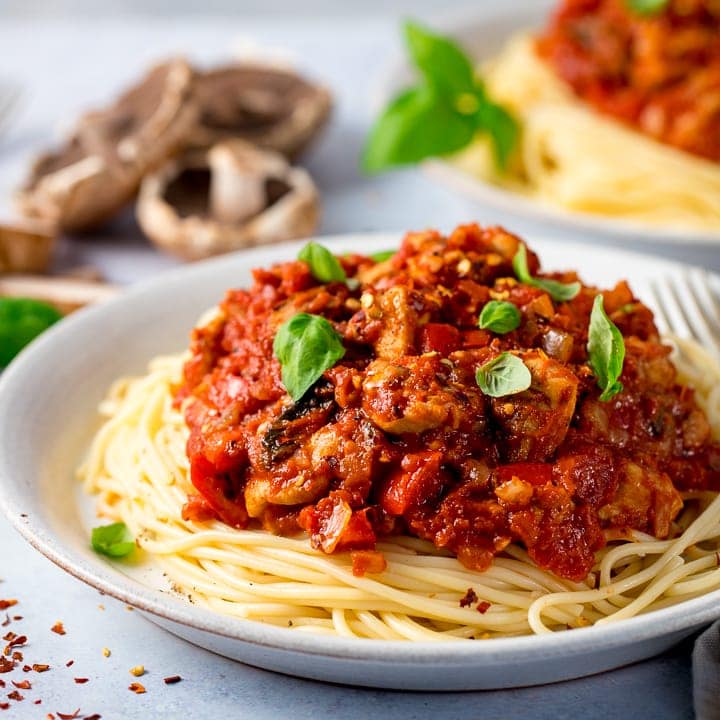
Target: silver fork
687, 304
10, 95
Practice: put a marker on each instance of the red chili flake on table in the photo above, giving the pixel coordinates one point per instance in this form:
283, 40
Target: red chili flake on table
58, 628
17, 655
483, 607
5, 604
81, 681
6, 621
6, 665
69, 663
72, 716
15, 695
39, 667
4, 706
137, 688
26, 668
37, 702
469, 598
10, 635
172, 679
22, 684
93, 717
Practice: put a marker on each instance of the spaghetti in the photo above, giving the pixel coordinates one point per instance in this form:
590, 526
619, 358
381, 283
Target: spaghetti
139, 468
573, 157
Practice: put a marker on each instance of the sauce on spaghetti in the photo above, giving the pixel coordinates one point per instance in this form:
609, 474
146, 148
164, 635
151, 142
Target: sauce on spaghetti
397, 437
659, 72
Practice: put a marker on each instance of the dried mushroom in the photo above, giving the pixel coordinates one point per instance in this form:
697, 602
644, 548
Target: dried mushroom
99, 169
273, 108
25, 247
229, 197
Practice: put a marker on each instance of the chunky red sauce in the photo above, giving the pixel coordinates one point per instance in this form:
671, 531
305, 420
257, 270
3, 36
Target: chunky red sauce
658, 72
397, 437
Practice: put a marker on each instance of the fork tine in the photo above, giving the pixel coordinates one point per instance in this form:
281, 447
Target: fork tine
687, 309
699, 283
9, 99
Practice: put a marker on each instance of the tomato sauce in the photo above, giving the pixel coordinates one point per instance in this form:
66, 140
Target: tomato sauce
397, 437
658, 72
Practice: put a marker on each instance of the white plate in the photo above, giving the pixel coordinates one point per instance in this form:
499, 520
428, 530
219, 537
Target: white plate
48, 400
483, 34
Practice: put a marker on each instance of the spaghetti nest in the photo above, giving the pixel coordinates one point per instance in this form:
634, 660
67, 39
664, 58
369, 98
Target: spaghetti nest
572, 156
138, 467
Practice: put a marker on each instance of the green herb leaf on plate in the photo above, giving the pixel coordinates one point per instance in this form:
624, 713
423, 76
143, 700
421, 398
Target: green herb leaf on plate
306, 346
558, 291
442, 61
415, 126
22, 320
499, 316
324, 266
383, 255
606, 351
505, 375
647, 7
442, 113
112, 540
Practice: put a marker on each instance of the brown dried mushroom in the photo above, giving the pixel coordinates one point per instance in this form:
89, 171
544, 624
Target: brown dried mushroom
273, 108
25, 247
229, 197
101, 166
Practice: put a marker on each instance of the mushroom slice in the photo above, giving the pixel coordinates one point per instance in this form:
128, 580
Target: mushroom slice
99, 169
273, 108
232, 196
25, 247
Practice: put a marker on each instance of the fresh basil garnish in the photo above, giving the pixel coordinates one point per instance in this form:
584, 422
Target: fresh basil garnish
306, 346
112, 540
499, 316
383, 255
440, 115
22, 320
606, 351
507, 374
558, 291
647, 7
324, 266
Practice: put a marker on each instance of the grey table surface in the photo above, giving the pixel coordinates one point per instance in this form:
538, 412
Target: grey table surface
65, 66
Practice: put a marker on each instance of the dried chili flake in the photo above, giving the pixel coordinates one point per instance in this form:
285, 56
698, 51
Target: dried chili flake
94, 716
6, 665
6, 621
37, 702
4, 706
9, 636
81, 681
17, 655
69, 663
64, 716
172, 679
58, 628
469, 598
137, 688
483, 607
39, 667
22, 684
26, 668
5, 604
15, 695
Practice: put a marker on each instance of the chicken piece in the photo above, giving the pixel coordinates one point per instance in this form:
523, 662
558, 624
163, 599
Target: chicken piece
535, 422
411, 395
645, 500
399, 322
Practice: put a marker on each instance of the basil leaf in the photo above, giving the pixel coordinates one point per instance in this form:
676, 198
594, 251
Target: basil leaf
306, 346
499, 316
505, 375
606, 351
647, 7
112, 540
501, 126
441, 60
324, 266
22, 320
383, 255
558, 291
416, 125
